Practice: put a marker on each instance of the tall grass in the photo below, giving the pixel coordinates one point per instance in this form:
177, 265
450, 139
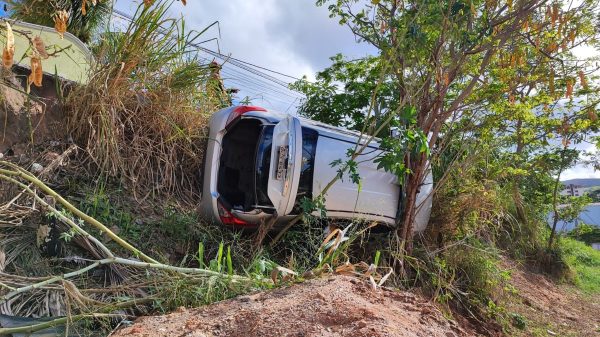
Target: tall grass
143, 115
584, 261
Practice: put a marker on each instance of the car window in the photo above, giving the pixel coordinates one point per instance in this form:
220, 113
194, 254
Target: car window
309, 147
263, 163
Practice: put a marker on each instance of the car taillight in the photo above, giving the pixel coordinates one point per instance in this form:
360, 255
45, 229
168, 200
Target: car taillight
240, 110
229, 219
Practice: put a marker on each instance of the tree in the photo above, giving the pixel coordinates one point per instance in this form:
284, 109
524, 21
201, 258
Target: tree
342, 93
438, 52
594, 194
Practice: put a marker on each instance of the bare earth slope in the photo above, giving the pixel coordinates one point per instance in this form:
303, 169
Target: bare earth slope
337, 306
554, 310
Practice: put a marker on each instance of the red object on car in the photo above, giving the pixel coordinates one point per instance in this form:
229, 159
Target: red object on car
240, 110
229, 219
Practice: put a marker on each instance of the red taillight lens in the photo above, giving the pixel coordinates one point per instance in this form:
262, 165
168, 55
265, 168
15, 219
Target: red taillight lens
229, 219
240, 110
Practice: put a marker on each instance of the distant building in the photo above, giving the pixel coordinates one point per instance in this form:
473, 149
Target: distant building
573, 190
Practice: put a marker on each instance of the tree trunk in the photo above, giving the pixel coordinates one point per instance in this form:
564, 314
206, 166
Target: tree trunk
406, 221
555, 199
517, 198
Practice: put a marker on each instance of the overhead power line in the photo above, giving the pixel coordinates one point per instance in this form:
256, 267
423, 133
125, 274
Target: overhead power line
242, 65
250, 67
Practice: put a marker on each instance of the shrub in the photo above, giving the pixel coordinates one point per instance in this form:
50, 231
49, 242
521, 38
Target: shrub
585, 263
586, 233
143, 115
467, 274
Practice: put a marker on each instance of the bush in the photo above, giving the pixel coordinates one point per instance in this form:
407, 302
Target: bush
467, 274
143, 115
585, 263
586, 233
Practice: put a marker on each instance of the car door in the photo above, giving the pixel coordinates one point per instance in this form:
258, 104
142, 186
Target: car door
286, 164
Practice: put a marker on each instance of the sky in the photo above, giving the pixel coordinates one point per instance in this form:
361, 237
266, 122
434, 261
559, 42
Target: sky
581, 171
293, 37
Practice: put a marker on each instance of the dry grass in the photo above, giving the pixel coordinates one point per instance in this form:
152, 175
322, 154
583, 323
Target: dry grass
143, 115
87, 277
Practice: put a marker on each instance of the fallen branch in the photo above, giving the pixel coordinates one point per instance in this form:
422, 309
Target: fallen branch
156, 272
54, 279
20, 173
29, 329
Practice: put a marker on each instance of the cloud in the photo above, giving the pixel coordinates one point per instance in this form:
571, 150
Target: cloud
292, 37
581, 171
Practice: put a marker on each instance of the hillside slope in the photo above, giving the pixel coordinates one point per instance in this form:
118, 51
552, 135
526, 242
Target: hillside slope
345, 306
553, 310
587, 182
336, 306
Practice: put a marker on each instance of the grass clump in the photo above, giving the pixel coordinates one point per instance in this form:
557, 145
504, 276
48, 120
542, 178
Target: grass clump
584, 261
143, 115
466, 276
167, 230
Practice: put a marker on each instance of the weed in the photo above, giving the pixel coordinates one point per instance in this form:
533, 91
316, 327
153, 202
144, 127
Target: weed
191, 292
143, 115
585, 263
177, 224
100, 206
302, 242
518, 321
468, 275
200, 256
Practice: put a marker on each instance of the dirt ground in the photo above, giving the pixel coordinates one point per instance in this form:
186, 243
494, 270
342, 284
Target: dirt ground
346, 306
336, 306
24, 120
554, 310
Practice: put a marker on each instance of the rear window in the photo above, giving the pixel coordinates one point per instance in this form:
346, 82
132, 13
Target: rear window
263, 163
309, 147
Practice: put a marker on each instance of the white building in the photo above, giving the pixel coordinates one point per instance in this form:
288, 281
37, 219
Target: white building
573, 190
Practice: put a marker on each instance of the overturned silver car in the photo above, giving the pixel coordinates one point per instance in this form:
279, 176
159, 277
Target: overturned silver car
260, 164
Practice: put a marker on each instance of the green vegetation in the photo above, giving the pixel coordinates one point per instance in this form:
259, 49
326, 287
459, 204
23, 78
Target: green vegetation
473, 76
594, 194
485, 93
585, 263
468, 275
586, 233
503, 108
84, 26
